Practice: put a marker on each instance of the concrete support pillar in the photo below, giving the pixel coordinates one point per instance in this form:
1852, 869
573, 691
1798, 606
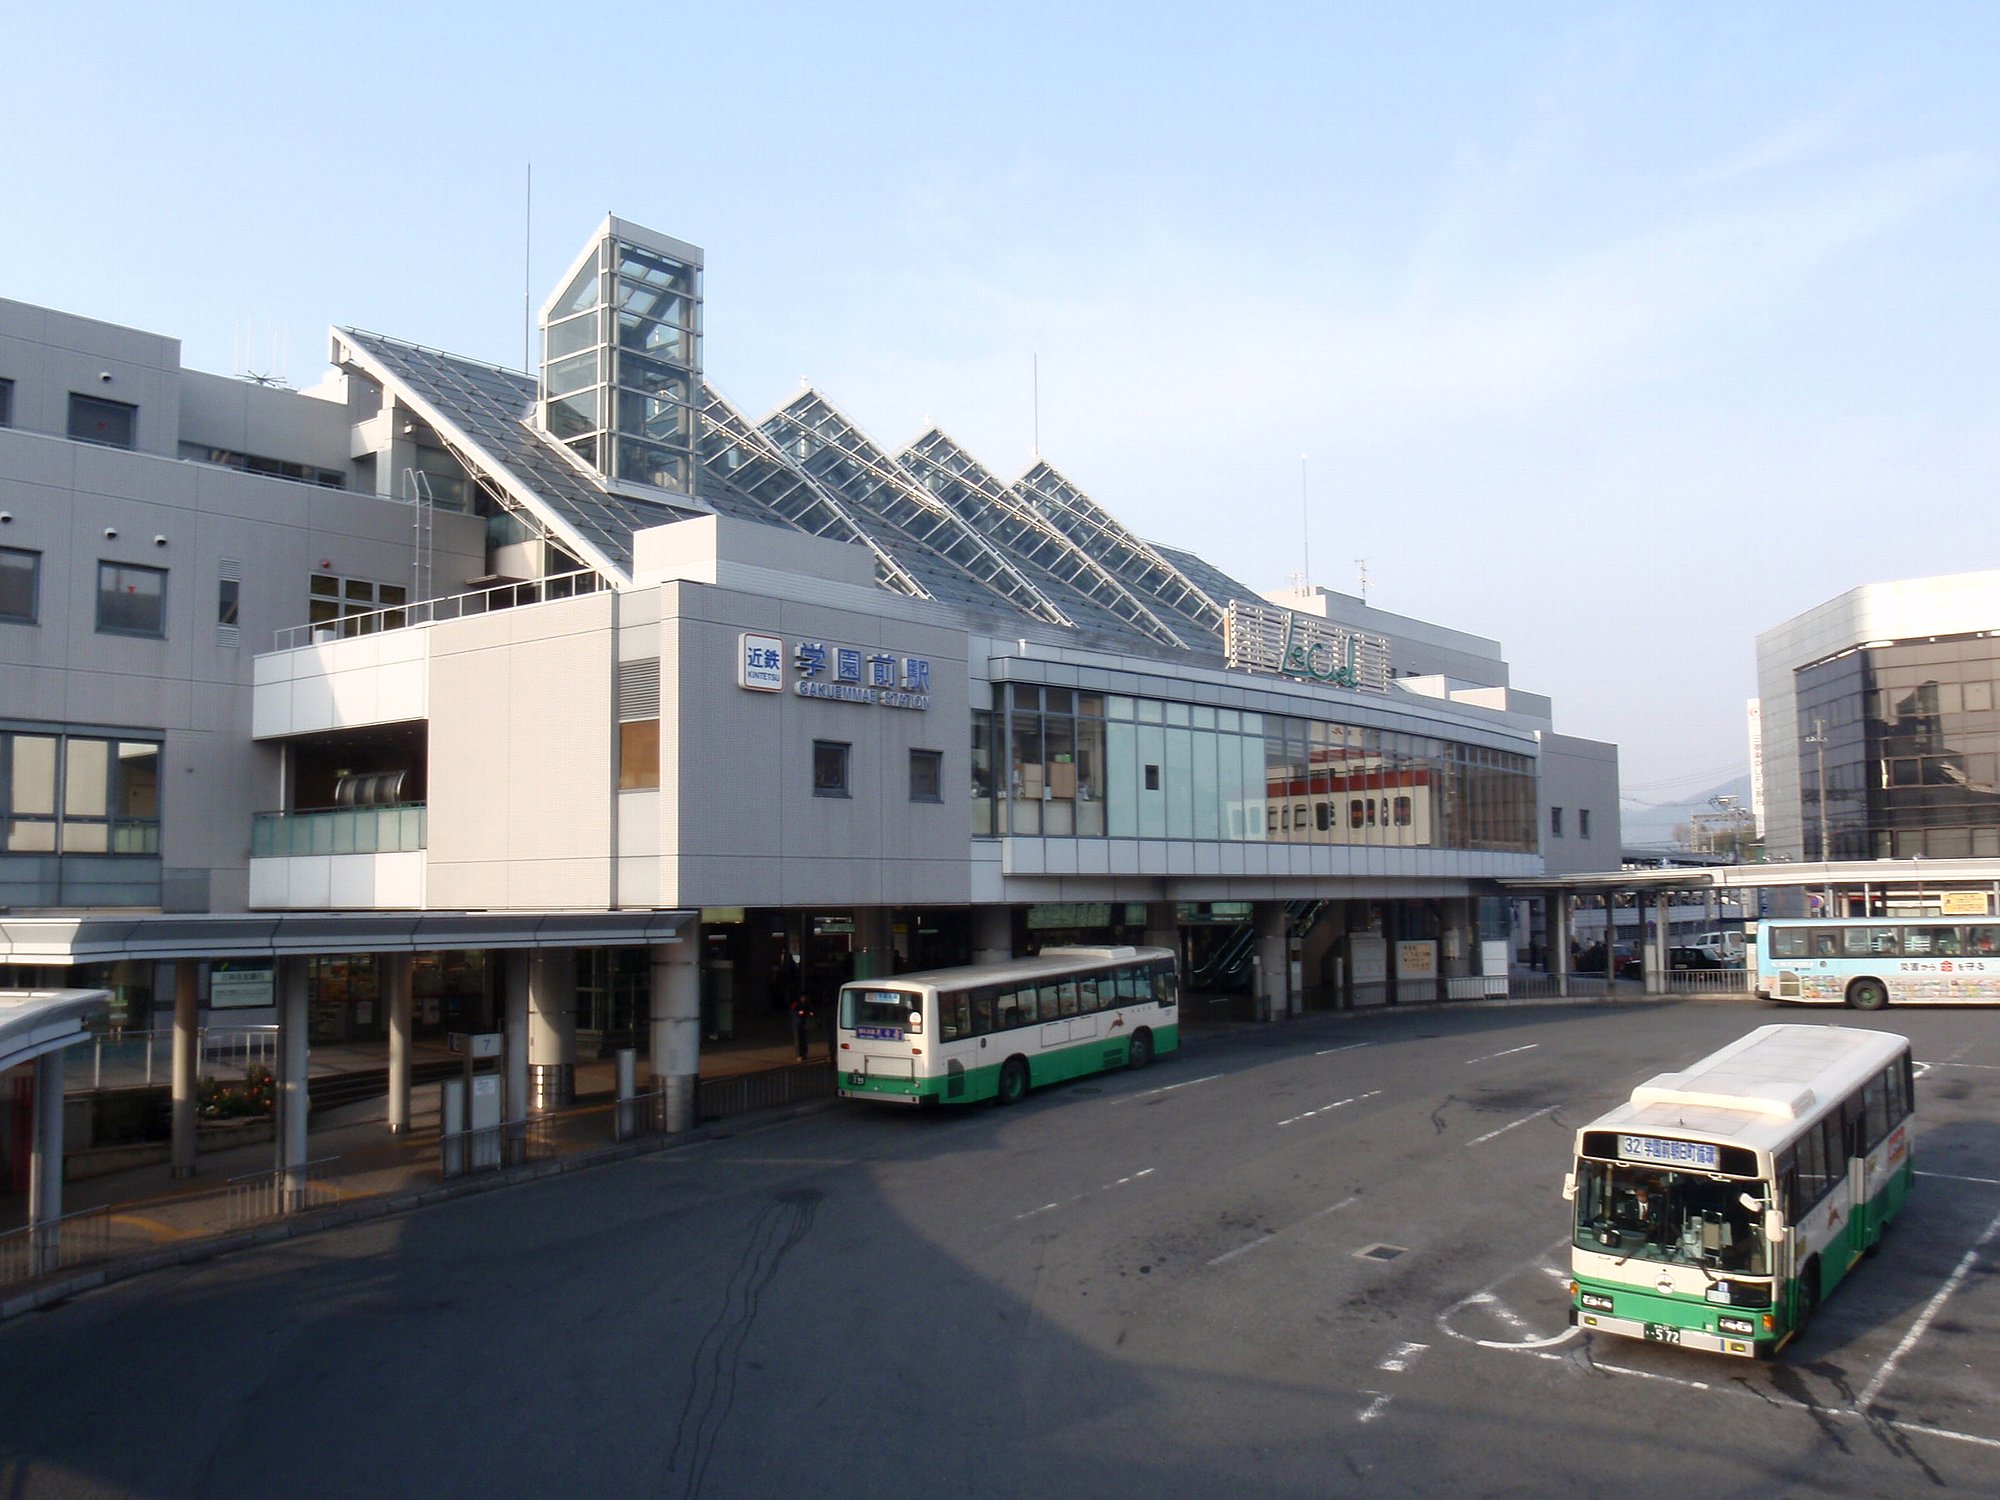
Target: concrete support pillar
874, 953
992, 934
1660, 945
1560, 932
552, 1028
294, 993
1274, 968
45, 1167
187, 1063
676, 1027
397, 969
1163, 928
514, 1053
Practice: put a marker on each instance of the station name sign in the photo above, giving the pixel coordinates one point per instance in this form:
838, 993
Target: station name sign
839, 674
1265, 638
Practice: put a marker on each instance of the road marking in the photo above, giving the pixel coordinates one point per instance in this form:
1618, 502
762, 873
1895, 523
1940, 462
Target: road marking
1508, 1053
1045, 1208
1105, 1188
1401, 1357
1918, 1328
1982, 1067
1948, 1177
1482, 1140
1350, 1047
1769, 1398
1324, 1108
1374, 1408
1262, 1239
1186, 1083
1334, 1208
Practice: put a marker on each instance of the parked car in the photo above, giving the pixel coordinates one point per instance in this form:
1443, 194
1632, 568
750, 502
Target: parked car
1630, 966
1693, 958
1726, 948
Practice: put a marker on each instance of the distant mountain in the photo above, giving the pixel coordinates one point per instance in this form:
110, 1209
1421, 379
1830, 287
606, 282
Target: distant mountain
1653, 825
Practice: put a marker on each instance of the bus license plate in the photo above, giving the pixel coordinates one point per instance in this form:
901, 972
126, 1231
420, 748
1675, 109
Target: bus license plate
1662, 1333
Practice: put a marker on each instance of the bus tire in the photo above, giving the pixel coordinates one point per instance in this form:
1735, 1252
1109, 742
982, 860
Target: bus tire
1867, 994
1141, 1050
1808, 1303
1013, 1086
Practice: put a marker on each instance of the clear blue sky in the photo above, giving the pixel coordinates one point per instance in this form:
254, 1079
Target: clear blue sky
1616, 332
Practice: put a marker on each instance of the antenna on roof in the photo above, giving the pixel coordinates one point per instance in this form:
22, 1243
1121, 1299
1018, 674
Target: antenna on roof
1036, 451
1305, 531
527, 277
1362, 563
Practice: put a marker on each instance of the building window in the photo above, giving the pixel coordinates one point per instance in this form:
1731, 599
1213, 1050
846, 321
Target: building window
20, 580
6, 403
275, 468
927, 776
131, 600
1583, 822
830, 768
74, 794
92, 419
1555, 822
333, 601
227, 596
639, 755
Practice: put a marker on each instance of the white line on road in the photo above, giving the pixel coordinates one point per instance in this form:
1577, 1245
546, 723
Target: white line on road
1482, 1140
1923, 1322
1374, 1408
1261, 1239
1334, 1208
1401, 1357
1186, 1083
1350, 1047
1337, 1104
1045, 1208
1508, 1053
1948, 1177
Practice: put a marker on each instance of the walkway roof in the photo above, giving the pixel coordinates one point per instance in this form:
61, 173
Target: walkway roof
105, 937
34, 1022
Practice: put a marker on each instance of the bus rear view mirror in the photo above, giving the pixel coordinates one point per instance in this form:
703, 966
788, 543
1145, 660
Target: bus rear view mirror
1752, 1205
1569, 1187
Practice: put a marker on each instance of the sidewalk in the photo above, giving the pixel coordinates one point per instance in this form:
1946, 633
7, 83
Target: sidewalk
148, 1207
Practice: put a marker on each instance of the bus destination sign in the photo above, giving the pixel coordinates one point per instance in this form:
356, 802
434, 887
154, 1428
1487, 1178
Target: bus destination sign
1670, 1153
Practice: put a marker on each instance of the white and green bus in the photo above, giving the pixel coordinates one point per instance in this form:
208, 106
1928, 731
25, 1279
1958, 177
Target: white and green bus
994, 1031
1718, 1206
1870, 962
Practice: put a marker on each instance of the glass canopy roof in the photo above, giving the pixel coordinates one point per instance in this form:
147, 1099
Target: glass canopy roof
1037, 556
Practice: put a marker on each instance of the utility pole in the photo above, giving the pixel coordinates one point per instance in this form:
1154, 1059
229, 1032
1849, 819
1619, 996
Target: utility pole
1817, 739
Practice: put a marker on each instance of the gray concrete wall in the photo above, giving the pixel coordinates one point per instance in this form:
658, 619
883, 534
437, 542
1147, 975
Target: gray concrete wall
1578, 774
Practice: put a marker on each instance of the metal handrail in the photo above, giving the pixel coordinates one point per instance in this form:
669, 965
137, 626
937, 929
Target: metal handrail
37, 1249
261, 1195
527, 591
244, 1046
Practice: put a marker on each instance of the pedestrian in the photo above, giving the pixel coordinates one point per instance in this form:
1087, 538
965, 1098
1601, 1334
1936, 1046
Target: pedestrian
802, 1019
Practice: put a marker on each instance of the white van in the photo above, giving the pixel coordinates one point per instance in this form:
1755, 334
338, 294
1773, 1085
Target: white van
1723, 947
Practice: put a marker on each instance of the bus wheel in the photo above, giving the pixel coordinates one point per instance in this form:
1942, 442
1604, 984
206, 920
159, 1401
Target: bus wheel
1141, 1051
1013, 1081
1808, 1303
1867, 994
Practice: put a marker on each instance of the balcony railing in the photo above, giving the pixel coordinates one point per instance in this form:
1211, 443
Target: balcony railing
453, 607
341, 830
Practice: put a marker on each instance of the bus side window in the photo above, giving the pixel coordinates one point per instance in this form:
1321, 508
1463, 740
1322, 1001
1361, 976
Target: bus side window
1788, 942
1166, 984
1823, 945
1833, 1146
1875, 1109
1086, 994
955, 1016
982, 1010
1065, 995
1786, 1169
1812, 1170
1142, 983
1982, 942
1010, 1009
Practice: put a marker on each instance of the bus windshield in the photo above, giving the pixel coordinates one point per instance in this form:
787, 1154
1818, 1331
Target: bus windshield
1683, 1218
892, 1010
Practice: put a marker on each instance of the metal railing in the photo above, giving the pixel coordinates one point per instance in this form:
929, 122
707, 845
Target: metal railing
399, 829
717, 1098
38, 1249
508, 1144
136, 1059
262, 1195
452, 607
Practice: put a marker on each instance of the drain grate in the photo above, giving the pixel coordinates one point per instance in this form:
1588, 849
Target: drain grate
1380, 1252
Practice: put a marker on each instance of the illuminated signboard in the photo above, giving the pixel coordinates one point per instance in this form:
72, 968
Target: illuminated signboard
1264, 638
1670, 1153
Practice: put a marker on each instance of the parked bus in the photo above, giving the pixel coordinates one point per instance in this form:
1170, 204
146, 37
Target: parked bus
1867, 962
1720, 1205
994, 1031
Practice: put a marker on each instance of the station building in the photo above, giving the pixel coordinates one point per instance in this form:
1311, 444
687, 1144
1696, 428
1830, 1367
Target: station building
1876, 729
576, 704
